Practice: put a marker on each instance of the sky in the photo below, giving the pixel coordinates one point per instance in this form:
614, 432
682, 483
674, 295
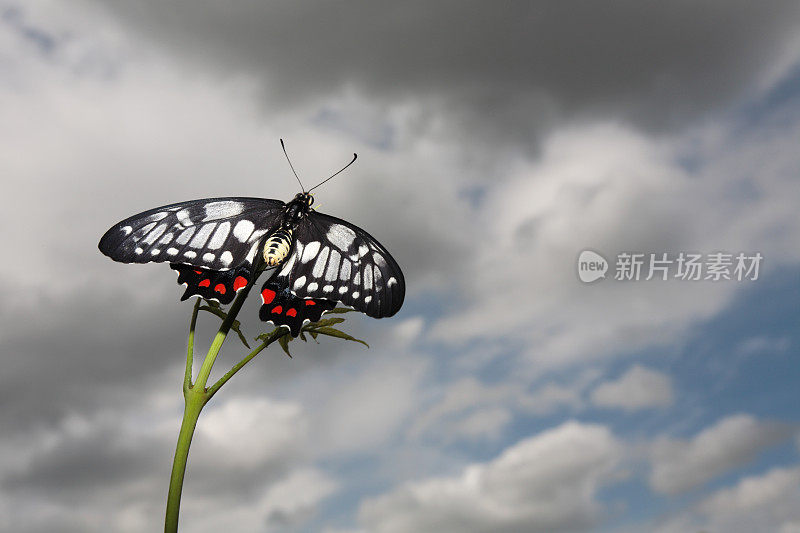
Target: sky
496, 142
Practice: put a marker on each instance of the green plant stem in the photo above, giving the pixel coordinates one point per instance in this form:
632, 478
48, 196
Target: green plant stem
194, 404
187, 377
275, 335
195, 396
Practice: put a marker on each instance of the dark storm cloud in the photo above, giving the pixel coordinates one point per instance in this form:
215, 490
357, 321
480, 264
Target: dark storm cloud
493, 66
81, 352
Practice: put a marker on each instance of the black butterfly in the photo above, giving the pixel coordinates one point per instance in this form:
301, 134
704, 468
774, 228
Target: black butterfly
220, 245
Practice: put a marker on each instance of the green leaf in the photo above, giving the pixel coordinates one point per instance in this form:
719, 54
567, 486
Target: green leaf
339, 310
333, 332
267, 336
284, 342
236, 326
303, 336
314, 335
325, 322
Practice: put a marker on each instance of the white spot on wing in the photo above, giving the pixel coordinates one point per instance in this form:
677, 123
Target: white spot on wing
391, 282
342, 289
367, 299
344, 273
142, 231
356, 294
327, 288
341, 236
185, 235
310, 251
202, 235
257, 234
219, 236
172, 251
138, 251
333, 266
368, 278
126, 230
155, 251
312, 286
208, 257
151, 237
379, 260
243, 229
223, 209
155, 217
190, 254
319, 266
299, 282
226, 258
183, 217
251, 254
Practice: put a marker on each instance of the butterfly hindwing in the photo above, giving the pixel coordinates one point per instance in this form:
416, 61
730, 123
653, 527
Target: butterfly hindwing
221, 286
212, 233
333, 259
282, 308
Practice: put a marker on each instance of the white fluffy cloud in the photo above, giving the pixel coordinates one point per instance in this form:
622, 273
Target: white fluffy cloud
610, 188
678, 465
100, 472
765, 502
638, 388
469, 409
547, 482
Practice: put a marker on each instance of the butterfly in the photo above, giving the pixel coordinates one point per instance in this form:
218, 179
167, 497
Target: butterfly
218, 246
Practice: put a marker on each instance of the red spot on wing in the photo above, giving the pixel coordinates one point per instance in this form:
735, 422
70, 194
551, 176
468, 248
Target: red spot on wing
240, 282
311, 302
220, 288
267, 295
277, 310
291, 312
198, 271
205, 283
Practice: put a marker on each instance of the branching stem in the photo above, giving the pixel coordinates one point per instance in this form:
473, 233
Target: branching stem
275, 335
196, 396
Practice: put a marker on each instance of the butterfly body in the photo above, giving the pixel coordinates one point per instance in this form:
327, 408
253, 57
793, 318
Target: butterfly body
221, 245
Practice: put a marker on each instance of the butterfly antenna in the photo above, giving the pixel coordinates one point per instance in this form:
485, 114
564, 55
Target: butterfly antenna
355, 156
292, 166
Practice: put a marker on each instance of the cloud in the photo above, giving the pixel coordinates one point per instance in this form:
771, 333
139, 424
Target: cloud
764, 502
638, 388
505, 73
494, 145
249, 462
679, 465
547, 482
471, 410
297, 496
763, 344
613, 189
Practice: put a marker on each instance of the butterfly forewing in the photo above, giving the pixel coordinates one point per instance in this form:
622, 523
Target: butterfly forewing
336, 260
213, 233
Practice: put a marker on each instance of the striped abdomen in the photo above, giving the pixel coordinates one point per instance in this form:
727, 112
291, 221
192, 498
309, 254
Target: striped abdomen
277, 247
